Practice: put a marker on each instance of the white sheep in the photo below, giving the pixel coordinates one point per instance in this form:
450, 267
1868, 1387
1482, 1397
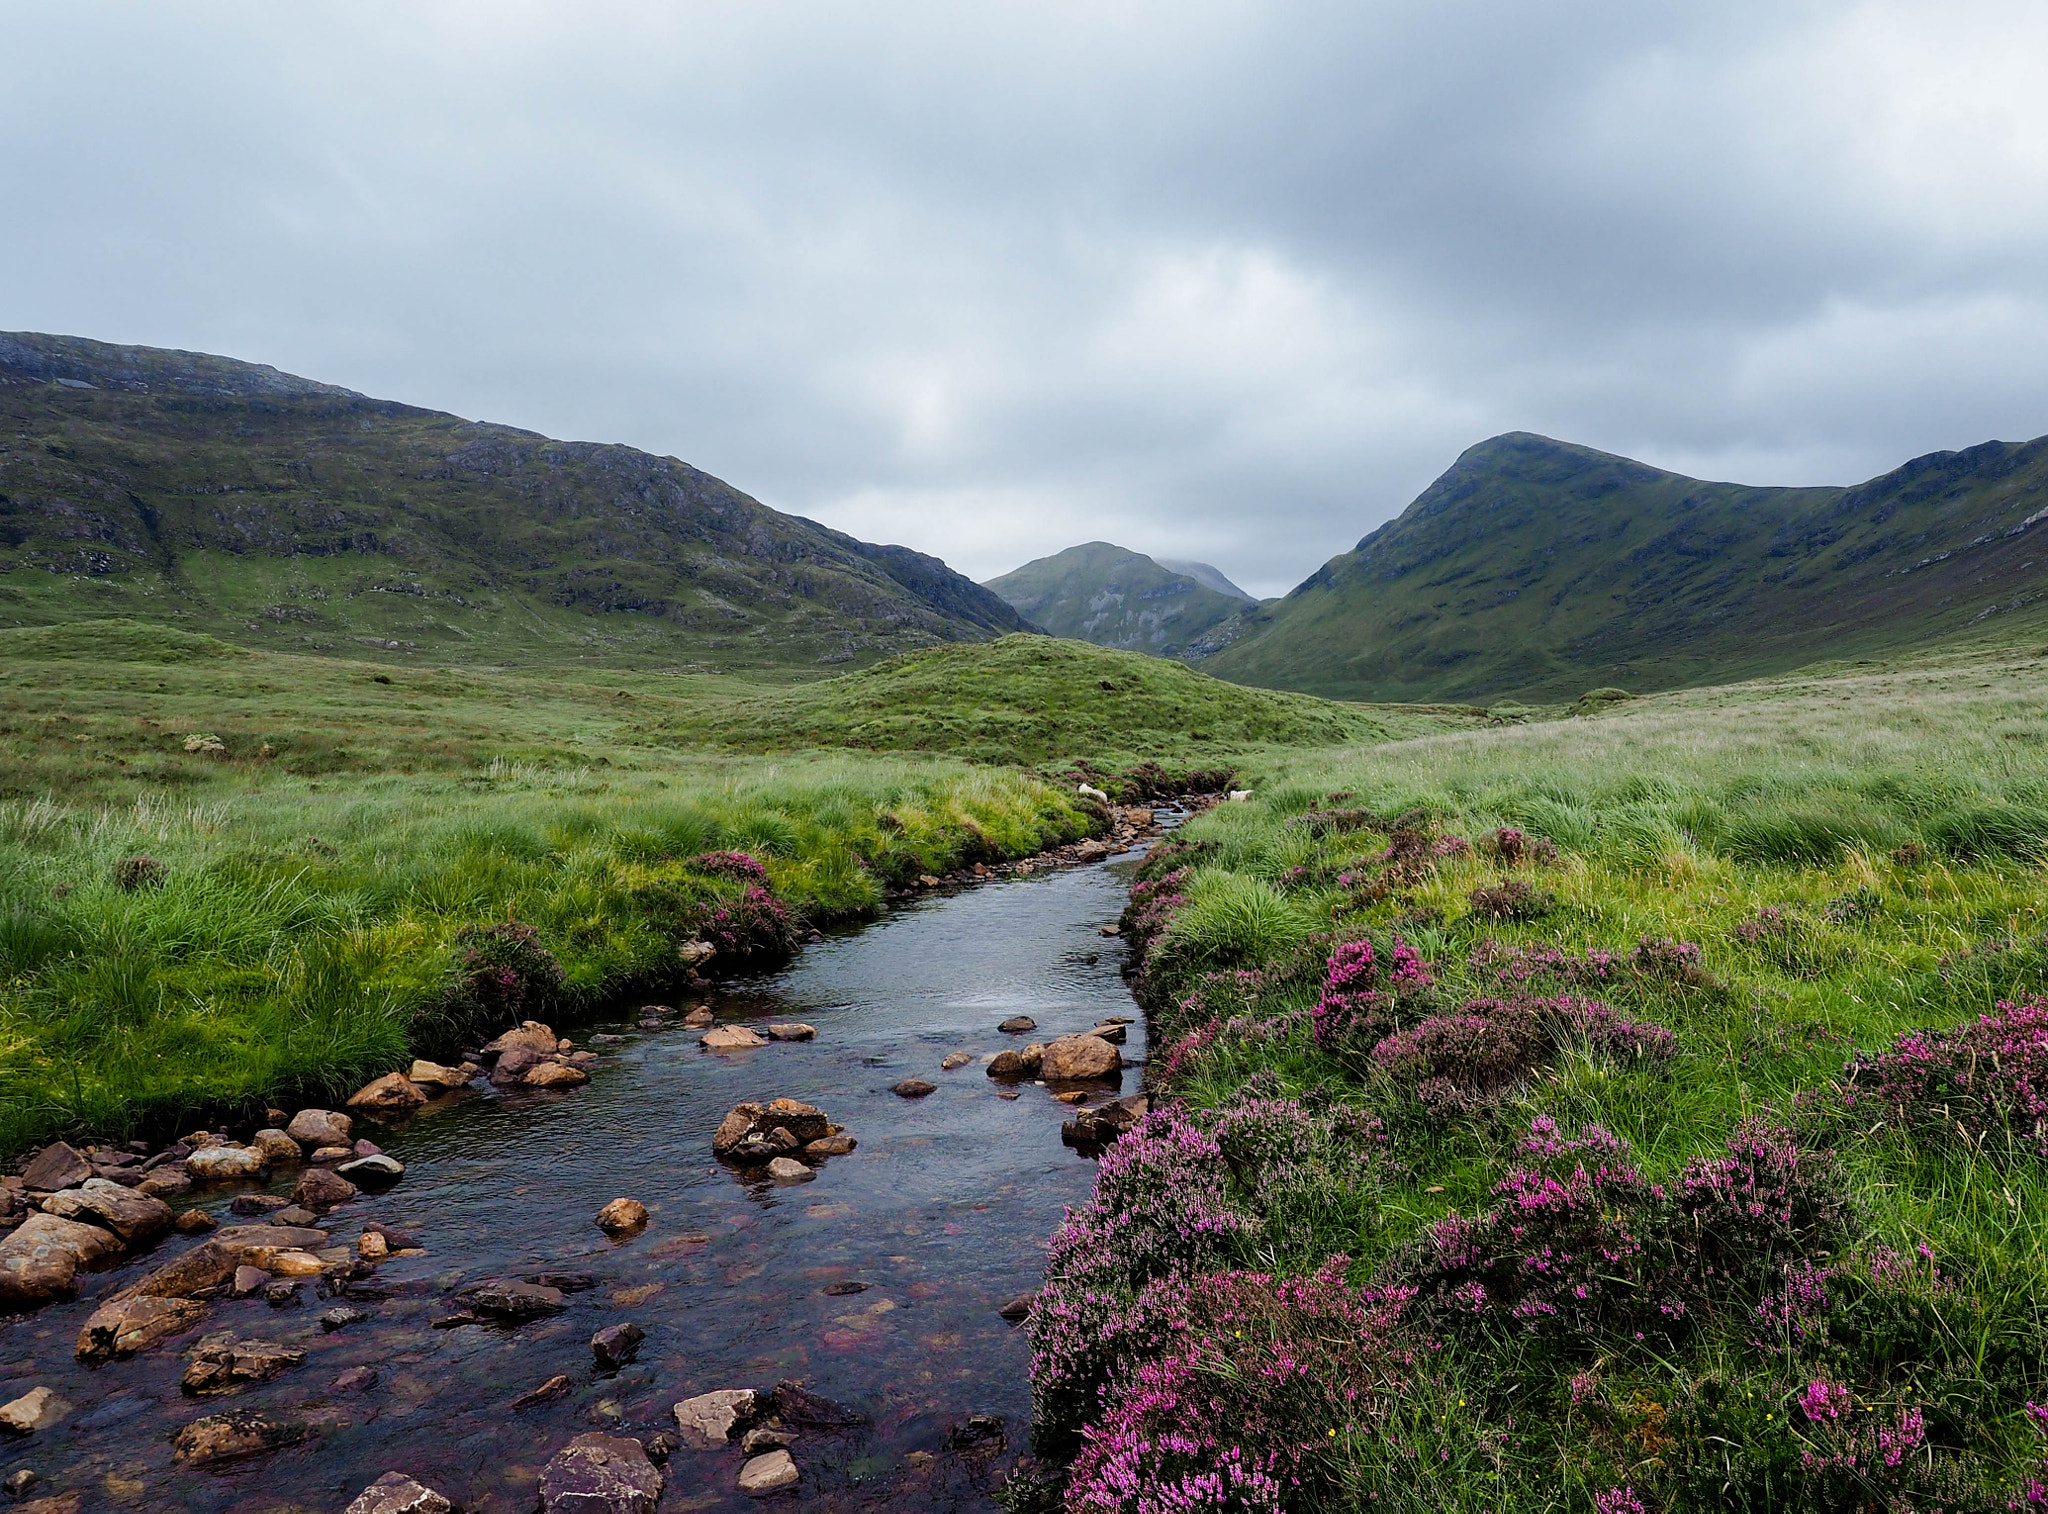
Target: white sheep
1239, 796
1089, 791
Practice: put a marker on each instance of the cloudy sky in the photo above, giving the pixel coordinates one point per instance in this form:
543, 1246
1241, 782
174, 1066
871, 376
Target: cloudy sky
1209, 279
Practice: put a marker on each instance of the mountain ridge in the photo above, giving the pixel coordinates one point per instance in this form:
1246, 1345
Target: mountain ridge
1114, 597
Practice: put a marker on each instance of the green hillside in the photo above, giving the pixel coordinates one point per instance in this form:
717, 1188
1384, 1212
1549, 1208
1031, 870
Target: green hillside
1538, 568
1028, 699
1117, 598
273, 511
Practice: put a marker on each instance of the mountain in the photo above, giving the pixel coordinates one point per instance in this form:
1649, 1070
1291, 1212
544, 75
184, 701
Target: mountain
1117, 598
272, 510
1538, 568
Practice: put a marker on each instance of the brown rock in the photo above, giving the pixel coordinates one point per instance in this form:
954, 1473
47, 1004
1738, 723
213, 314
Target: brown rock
276, 1147
554, 1075
789, 1170
765, 1438
553, 1388
1017, 1025
735, 1127
730, 1038
313, 1128
615, 1345
57, 1165
806, 1122
123, 1327
699, 1016
134, 1216
600, 1474
355, 1380
213, 1261
248, 1280
395, 1493
709, 1420
1023, 1063
1109, 1031
225, 1164
1017, 1308
435, 1078
769, 1473
913, 1088
326, 1154
1080, 1059
195, 1222
530, 1035
37, 1409
389, 1097
793, 1032
953, 1060
318, 1189
220, 1365
228, 1437
510, 1300
43, 1255
513, 1066
800, 1406
622, 1217
1072, 1096
830, 1146
165, 1182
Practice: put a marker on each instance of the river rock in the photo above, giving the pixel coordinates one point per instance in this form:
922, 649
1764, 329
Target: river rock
372, 1247
768, 1473
43, 1255
318, 1189
954, 1059
530, 1035
830, 1146
435, 1078
294, 1215
793, 1032
512, 1300
213, 1261
277, 1147
709, 1420
248, 1280
328, 1155
622, 1217
288, 1263
258, 1203
374, 1171
699, 1016
554, 1075
800, 1406
615, 1345
395, 1493
1016, 1025
220, 1365
1080, 1058
223, 1164
789, 1170
730, 1038
135, 1217
547, 1392
37, 1409
513, 1065
389, 1097
341, 1317
283, 1293
913, 1088
313, 1128
228, 1437
58, 1165
122, 1327
1018, 1307
598, 1473
743, 1133
166, 1182
355, 1380
1110, 1031
1023, 1063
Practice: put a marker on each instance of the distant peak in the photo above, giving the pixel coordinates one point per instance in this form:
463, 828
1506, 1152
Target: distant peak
79, 362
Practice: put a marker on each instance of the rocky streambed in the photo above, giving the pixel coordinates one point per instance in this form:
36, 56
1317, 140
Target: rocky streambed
835, 1302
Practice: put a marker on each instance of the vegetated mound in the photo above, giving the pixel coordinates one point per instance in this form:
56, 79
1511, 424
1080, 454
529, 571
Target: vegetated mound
1118, 598
1536, 567
1026, 699
111, 641
279, 512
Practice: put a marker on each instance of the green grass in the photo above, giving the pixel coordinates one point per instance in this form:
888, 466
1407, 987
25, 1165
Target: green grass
1898, 819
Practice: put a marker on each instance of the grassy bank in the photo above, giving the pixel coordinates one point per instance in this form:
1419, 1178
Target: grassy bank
333, 849
1567, 1188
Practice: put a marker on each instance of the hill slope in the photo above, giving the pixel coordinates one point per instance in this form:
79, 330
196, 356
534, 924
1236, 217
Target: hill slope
1539, 568
1028, 699
1118, 598
277, 511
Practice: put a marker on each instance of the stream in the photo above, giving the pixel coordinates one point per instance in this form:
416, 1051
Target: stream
941, 1215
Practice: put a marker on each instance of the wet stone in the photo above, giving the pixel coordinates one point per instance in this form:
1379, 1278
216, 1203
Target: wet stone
789, 1170
277, 1147
122, 1327
511, 1300
342, 1317
830, 1146
18, 1483
955, 1059
768, 1473
766, 1438
222, 1365
283, 1294
221, 1164
843, 1289
600, 1474
230, 1437
355, 1380
731, 1038
914, 1088
698, 1017
257, 1203
1016, 1025
319, 1189
1080, 1059
37, 1409
792, 1032
134, 1217
313, 1128
554, 1075
58, 1165
294, 1217
800, 1406
389, 1097
396, 1493
622, 1217
615, 1345
710, 1419
1017, 1308
547, 1392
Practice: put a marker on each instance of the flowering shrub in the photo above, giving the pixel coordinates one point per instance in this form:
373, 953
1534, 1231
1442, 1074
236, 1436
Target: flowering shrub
741, 865
499, 969
1978, 1079
1746, 1215
1413, 854
1512, 899
1513, 848
1362, 990
1767, 925
756, 924
1459, 1063
1154, 902
1236, 1411
1652, 957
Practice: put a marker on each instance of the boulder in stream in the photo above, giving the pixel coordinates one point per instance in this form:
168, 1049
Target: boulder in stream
225, 1164
709, 1420
529, 1035
955, 1059
313, 1128
914, 1088
1016, 1025
318, 1189
221, 1363
134, 1217
510, 1300
229, 1437
44, 1254
1075, 1059
615, 1345
598, 1473
58, 1165
731, 1038
277, 1147
622, 1217
390, 1097
767, 1473
122, 1327
396, 1493
435, 1078
37, 1409
554, 1075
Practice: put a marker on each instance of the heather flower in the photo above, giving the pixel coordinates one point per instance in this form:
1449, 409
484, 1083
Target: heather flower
1825, 1401
1618, 1501
740, 865
755, 924
1362, 990
1459, 1063
1982, 1077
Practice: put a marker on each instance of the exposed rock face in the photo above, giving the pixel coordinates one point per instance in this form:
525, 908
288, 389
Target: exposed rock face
390, 1097
510, 1300
395, 1493
615, 1345
220, 1365
37, 1409
1080, 1059
133, 1216
768, 1473
709, 1420
43, 1255
914, 1088
600, 1474
731, 1038
56, 1166
554, 1075
432, 1075
223, 1164
314, 1128
226, 1437
530, 1035
122, 1327
622, 1217
319, 1189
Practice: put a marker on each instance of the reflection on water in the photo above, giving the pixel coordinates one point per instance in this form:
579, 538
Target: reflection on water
941, 1215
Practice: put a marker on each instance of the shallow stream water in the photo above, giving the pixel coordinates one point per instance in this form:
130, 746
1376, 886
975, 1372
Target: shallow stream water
942, 1212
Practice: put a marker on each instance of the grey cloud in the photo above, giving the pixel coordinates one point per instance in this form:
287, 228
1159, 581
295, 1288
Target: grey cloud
1214, 280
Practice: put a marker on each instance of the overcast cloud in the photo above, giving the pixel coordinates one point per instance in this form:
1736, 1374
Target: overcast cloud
1220, 280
